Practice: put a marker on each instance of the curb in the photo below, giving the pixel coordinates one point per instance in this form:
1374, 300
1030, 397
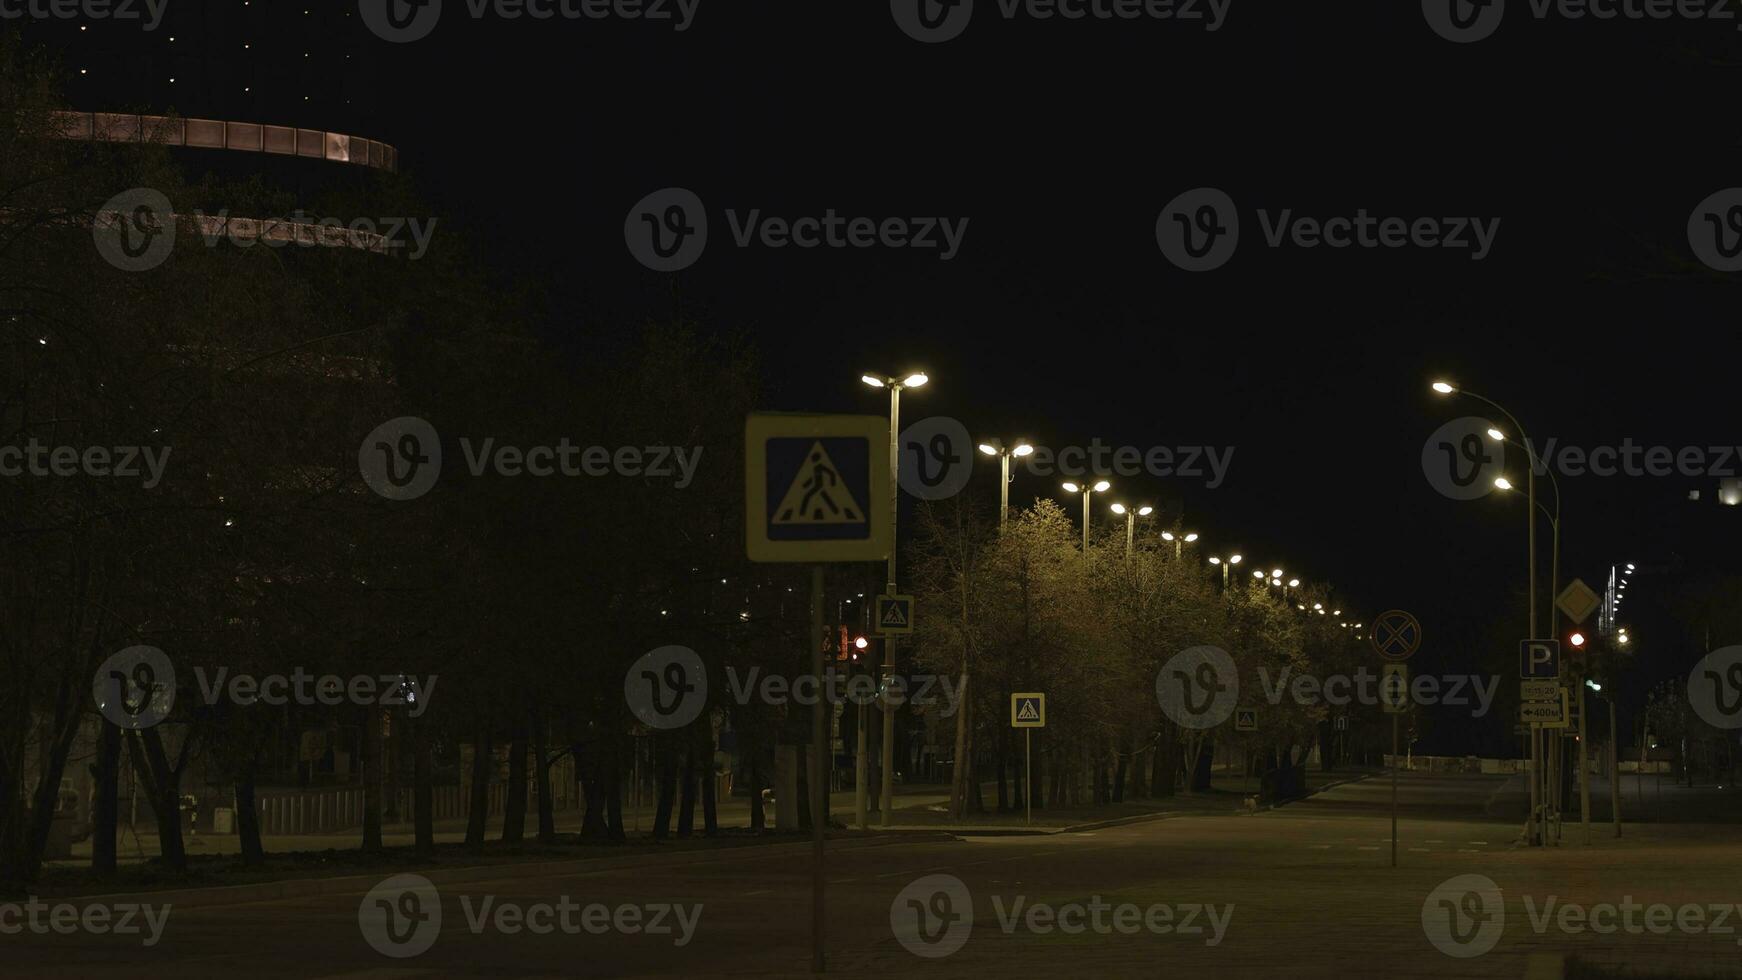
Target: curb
267, 891
1138, 818
1308, 796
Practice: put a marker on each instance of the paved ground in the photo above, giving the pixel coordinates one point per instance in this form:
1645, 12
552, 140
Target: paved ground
1310, 889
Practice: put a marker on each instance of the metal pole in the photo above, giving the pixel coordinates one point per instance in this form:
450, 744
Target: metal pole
861, 775
1130, 532
819, 792
1584, 769
1614, 767
1003, 489
1087, 493
1028, 773
886, 798
1394, 791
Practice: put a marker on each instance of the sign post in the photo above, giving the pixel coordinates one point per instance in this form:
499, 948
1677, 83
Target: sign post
1028, 712
1396, 636
1539, 660
1394, 694
809, 485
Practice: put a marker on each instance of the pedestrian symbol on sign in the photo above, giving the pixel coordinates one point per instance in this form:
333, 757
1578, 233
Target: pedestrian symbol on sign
894, 614
1028, 711
810, 483
817, 495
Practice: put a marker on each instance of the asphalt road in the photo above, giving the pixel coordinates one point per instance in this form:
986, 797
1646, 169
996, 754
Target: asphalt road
1306, 890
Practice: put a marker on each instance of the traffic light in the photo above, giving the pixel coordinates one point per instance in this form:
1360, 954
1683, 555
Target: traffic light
1576, 640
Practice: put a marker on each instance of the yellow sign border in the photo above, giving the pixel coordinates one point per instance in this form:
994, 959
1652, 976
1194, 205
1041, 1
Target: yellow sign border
1039, 696
877, 627
759, 427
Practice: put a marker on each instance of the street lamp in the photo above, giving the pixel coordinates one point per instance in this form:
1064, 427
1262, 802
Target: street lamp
1087, 492
1178, 540
1447, 388
1232, 560
1131, 517
915, 379
996, 448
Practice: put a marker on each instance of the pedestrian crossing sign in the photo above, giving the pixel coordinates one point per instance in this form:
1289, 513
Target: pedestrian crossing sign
1028, 710
894, 614
815, 487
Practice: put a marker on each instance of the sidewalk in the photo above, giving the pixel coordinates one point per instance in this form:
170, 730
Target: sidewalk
921, 807
733, 813
1645, 798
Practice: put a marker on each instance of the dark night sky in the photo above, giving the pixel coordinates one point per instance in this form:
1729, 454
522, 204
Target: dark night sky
1061, 320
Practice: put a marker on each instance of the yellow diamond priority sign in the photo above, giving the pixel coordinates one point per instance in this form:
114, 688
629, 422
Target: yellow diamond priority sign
1577, 601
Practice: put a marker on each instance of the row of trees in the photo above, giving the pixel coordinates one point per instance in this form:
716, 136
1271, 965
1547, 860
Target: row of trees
1022, 608
261, 370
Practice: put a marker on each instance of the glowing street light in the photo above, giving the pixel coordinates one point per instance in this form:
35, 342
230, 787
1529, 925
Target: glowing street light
914, 379
1131, 517
1178, 541
996, 448
1231, 561
1088, 492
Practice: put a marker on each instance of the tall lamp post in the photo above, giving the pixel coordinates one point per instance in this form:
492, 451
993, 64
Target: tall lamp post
1178, 541
996, 448
1232, 560
1131, 523
1088, 492
1447, 388
886, 798
1554, 521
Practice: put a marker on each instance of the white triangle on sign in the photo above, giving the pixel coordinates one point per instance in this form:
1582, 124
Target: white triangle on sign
818, 495
1028, 712
893, 616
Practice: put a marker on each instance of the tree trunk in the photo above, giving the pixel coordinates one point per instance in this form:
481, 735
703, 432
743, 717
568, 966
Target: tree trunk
710, 811
372, 782
753, 776
423, 791
105, 814
976, 794
665, 788
248, 811
1164, 763
1123, 748
613, 779
1002, 765
163, 789
514, 806
478, 814
686, 806
541, 774
961, 773
588, 769
801, 763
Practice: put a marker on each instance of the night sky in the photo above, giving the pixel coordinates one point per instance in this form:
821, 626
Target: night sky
1060, 320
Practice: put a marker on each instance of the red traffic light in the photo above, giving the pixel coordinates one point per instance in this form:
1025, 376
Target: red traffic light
1576, 640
